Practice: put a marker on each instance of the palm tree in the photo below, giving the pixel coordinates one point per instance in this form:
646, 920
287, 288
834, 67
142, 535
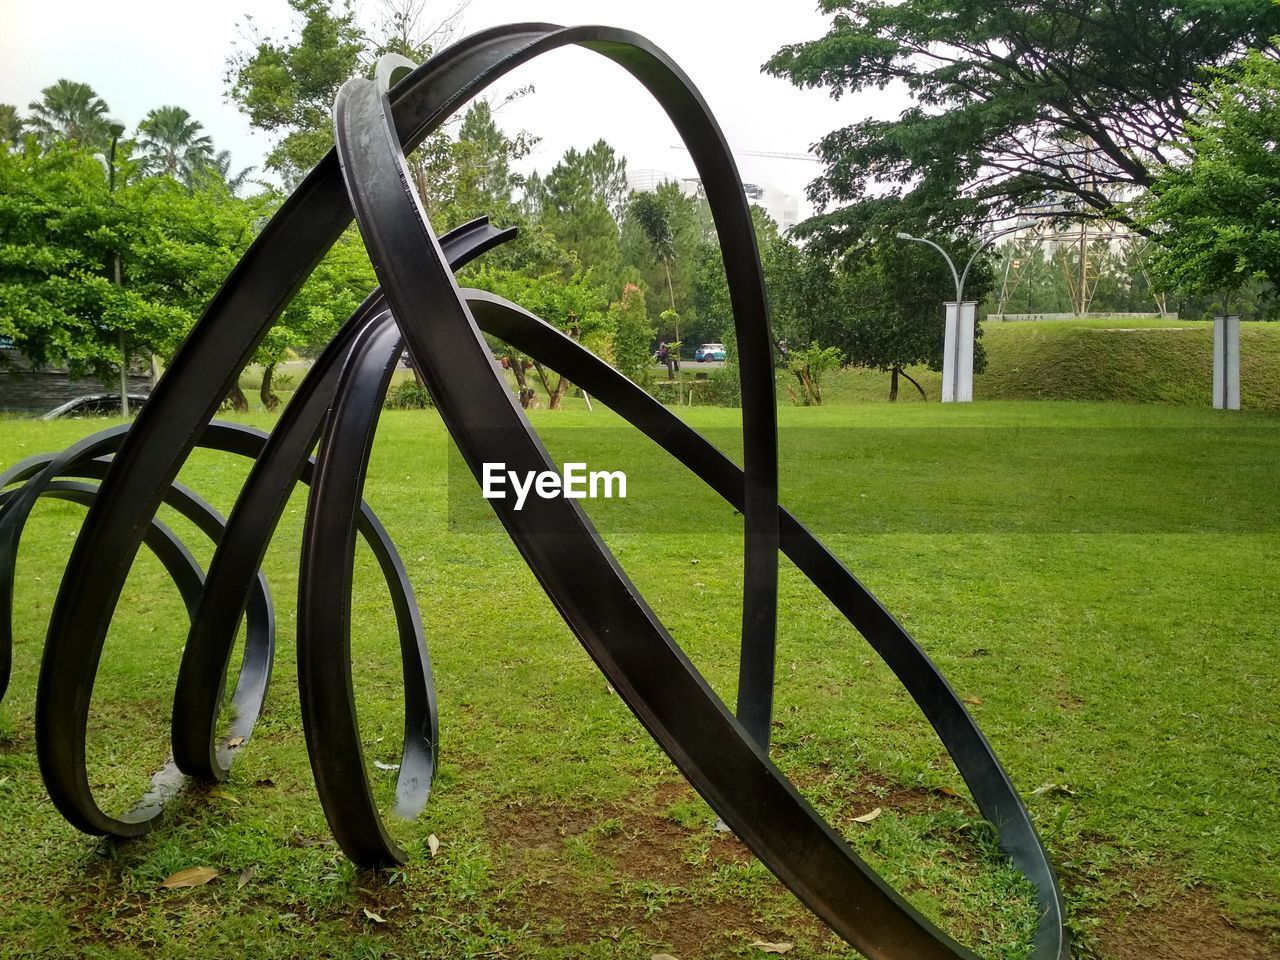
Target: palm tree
170, 142
222, 164
10, 125
69, 110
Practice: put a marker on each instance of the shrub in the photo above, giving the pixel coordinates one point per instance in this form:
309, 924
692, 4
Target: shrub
408, 395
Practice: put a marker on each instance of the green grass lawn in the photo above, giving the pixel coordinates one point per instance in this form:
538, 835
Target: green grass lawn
1099, 580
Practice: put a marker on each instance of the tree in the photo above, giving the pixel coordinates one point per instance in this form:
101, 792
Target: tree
576, 306
654, 221
287, 86
60, 229
1217, 217
881, 308
575, 204
288, 89
68, 110
170, 142
632, 335
810, 364
11, 124
222, 166
332, 292
1070, 102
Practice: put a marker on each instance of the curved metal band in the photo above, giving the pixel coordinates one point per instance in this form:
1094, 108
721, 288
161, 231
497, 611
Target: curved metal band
252, 523
324, 619
182, 567
255, 671
183, 570
994, 793
256, 291
80, 459
592, 593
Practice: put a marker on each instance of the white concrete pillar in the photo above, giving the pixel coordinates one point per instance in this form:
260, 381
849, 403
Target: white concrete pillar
1226, 362
957, 352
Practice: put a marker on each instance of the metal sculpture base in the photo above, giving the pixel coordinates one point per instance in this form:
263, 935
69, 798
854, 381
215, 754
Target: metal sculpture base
338, 403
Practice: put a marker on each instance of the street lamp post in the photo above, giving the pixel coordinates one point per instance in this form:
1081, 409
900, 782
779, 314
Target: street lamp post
117, 130
957, 346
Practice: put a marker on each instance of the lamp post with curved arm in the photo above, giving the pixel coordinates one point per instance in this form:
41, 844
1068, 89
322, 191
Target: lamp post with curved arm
957, 355
117, 131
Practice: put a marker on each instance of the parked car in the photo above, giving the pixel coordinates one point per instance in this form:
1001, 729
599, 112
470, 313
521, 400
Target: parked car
95, 405
709, 351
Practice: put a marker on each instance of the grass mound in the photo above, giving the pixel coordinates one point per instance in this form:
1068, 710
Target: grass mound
1101, 359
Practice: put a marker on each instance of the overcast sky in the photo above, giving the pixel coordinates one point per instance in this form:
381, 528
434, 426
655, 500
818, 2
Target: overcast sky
138, 54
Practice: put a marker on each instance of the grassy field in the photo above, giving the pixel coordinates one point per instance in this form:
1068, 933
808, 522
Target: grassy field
1099, 580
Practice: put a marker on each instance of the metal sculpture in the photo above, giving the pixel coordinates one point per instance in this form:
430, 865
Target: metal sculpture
419, 304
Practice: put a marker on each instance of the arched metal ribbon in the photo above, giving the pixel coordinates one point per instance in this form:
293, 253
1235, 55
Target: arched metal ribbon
977, 763
88, 458
239, 316
253, 520
582, 578
724, 758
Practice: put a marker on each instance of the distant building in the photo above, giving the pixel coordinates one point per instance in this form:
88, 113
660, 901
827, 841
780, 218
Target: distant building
783, 208
27, 390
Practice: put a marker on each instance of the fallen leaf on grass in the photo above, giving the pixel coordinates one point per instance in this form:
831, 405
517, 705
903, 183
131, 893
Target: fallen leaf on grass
947, 792
974, 701
868, 817
235, 742
1053, 788
190, 877
782, 947
223, 795
433, 844
373, 916
248, 874
662, 956
386, 766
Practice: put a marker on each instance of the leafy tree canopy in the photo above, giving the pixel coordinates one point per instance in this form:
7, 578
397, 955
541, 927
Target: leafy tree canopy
69, 110
59, 231
1064, 101
170, 142
1217, 217
288, 88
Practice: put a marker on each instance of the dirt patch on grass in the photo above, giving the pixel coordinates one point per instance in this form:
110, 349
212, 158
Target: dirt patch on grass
578, 876
526, 825
1184, 925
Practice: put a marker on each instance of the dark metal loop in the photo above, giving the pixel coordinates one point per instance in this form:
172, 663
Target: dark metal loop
976, 761
282, 461
724, 757
41, 473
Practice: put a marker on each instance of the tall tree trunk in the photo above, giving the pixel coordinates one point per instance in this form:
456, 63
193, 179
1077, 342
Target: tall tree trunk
239, 402
526, 393
671, 293
542, 375
269, 399
558, 396
893, 383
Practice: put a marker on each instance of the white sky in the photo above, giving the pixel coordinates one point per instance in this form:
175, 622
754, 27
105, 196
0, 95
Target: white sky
138, 54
